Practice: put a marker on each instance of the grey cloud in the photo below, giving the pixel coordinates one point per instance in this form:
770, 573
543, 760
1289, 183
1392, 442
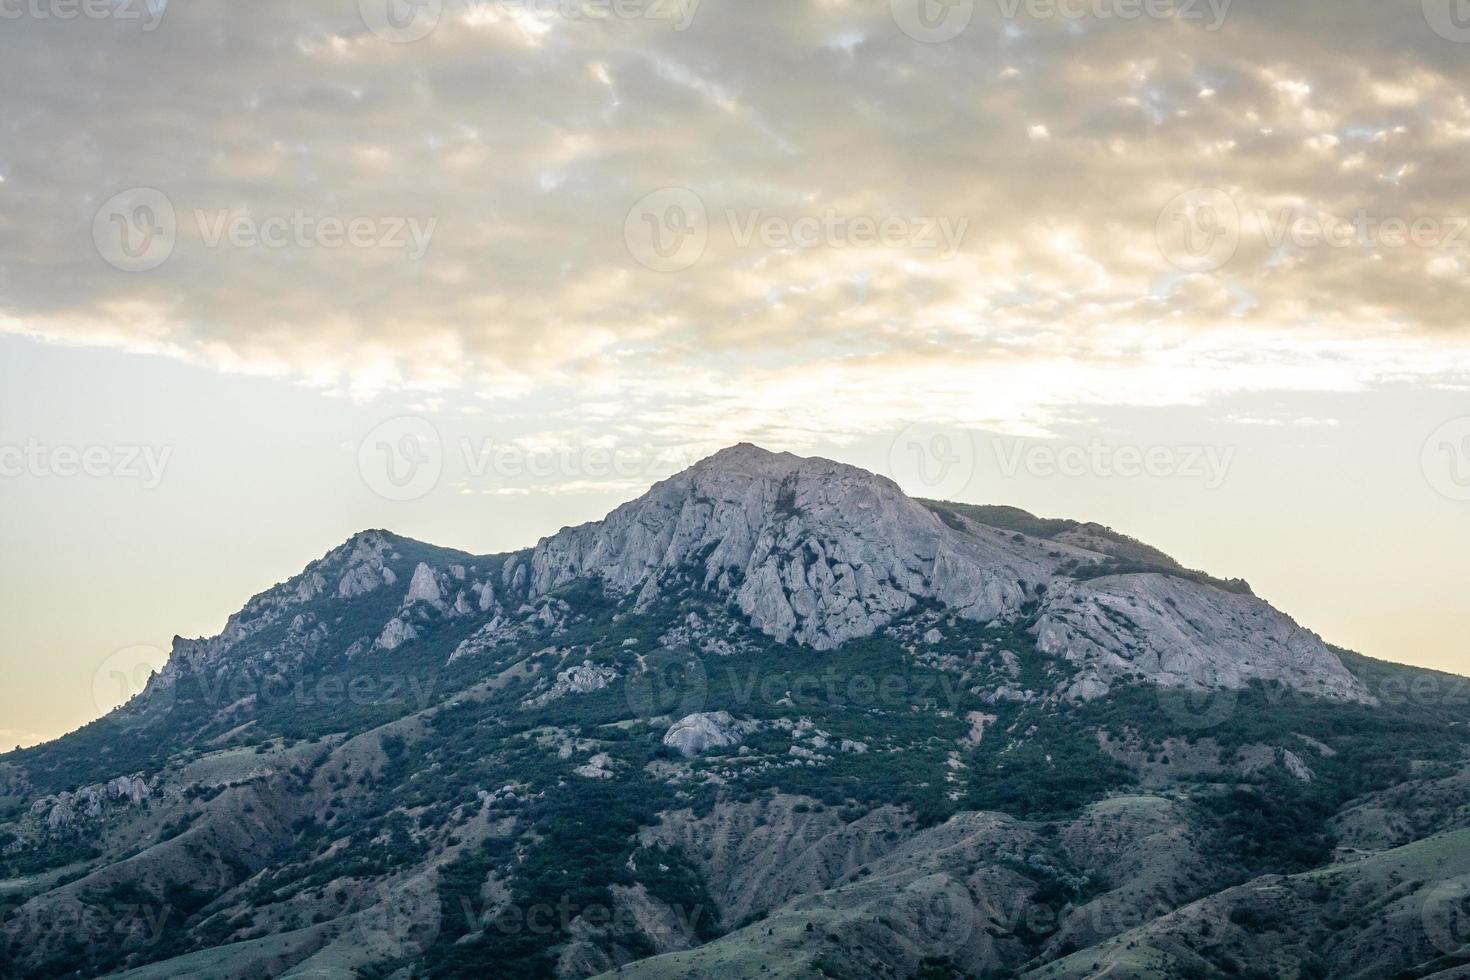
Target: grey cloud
1059, 144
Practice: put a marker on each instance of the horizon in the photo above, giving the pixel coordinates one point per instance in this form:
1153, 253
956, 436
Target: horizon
138, 663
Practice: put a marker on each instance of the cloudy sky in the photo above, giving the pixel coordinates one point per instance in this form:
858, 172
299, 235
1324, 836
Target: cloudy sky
274, 271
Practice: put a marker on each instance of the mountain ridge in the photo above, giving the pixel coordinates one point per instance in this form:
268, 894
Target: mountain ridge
820, 552
770, 702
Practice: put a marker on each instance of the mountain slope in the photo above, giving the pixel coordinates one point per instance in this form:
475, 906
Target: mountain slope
773, 717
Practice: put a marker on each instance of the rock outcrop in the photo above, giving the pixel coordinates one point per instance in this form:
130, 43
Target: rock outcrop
811, 550
584, 678
700, 732
1178, 633
89, 802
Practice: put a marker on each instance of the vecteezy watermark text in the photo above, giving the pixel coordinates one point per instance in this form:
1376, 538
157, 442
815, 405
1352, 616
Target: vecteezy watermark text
403, 459
301, 229
150, 12
34, 458
1201, 230
1208, 464
1211, 12
407, 21
670, 230
138, 230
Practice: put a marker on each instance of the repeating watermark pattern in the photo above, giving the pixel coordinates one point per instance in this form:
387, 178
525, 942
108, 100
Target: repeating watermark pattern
400, 920
144, 464
833, 230
401, 21
1211, 14
859, 691
138, 230
402, 459
303, 230
1209, 465
1450, 19
556, 918
1199, 230
91, 920
1195, 709
669, 682
1445, 915
679, 14
487, 460
936, 912
125, 674
932, 21
1288, 226
1446, 459
232, 685
933, 459
673, 683
407, 21
670, 230
147, 13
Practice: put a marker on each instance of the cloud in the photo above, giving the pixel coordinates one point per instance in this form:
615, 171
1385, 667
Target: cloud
827, 152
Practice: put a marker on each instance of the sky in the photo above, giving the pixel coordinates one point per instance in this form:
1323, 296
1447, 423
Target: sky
473, 270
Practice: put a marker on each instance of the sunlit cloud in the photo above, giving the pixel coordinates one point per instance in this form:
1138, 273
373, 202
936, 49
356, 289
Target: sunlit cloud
1047, 152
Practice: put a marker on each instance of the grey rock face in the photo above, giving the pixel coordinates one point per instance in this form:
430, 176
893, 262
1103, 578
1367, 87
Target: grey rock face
1178, 633
366, 567
581, 679
812, 550
89, 802
696, 733
424, 587
395, 634
817, 553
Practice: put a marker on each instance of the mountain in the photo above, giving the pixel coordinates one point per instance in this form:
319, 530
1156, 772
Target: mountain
773, 718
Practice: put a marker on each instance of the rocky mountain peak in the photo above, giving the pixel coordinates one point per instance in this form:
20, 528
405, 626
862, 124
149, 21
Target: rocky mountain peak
812, 550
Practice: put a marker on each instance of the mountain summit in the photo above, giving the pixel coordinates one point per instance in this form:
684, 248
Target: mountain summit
772, 717
820, 552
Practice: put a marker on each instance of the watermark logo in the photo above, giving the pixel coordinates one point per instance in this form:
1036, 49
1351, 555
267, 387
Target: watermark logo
1209, 465
490, 461
1211, 12
833, 229
938, 911
1197, 709
679, 13
1363, 230
232, 685
304, 230
933, 459
401, 21
932, 21
1446, 459
1199, 230
402, 919
668, 682
668, 230
136, 230
150, 12
146, 464
1450, 19
1445, 914
125, 674
402, 459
